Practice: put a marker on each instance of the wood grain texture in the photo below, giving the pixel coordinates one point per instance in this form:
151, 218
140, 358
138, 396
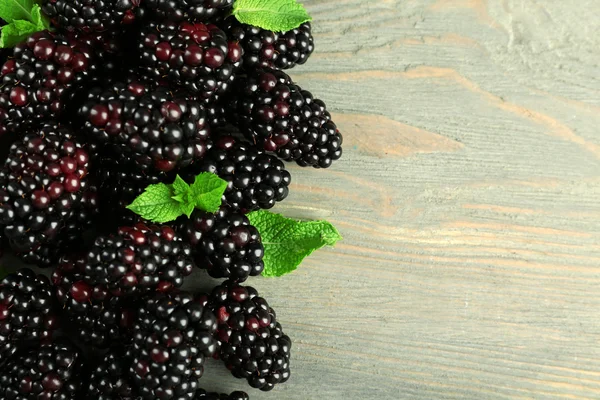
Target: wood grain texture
468, 199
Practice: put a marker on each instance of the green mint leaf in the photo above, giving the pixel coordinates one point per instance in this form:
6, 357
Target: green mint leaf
287, 241
39, 19
188, 209
273, 15
180, 187
12, 10
207, 192
156, 204
16, 32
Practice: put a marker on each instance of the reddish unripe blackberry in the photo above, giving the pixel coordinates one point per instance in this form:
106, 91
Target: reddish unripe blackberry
189, 10
146, 125
98, 318
204, 395
196, 57
252, 343
42, 188
224, 243
277, 114
254, 178
91, 15
51, 371
172, 337
109, 380
26, 311
266, 49
40, 77
137, 260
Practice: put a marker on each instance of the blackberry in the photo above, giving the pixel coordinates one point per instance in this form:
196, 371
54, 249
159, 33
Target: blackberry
42, 189
196, 57
98, 318
224, 243
109, 381
190, 10
26, 311
137, 260
252, 343
91, 15
49, 372
147, 125
266, 49
204, 395
277, 114
40, 77
255, 179
172, 337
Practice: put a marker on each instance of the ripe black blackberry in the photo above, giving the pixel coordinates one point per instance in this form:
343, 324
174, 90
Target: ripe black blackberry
196, 57
190, 10
49, 372
172, 337
224, 243
202, 394
277, 114
97, 318
43, 187
91, 15
147, 125
109, 381
40, 77
26, 311
255, 179
137, 260
252, 343
266, 49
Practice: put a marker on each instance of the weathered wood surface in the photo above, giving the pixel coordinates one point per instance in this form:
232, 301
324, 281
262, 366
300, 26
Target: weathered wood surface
469, 202
468, 198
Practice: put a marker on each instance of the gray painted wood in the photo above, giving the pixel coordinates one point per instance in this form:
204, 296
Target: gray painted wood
468, 199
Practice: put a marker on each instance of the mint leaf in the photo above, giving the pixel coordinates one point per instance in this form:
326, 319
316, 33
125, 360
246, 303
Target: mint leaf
12, 10
287, 242
156, 204
207, 191
16, 32
273, 15
180, 189
19, 29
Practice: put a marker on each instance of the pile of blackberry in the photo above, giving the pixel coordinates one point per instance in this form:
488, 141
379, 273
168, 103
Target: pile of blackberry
118, 96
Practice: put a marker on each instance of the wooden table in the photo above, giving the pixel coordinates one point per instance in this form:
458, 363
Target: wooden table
469, 199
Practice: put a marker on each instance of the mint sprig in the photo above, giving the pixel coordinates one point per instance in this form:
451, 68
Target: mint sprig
24, 18
273, 15
162, 202
287, 241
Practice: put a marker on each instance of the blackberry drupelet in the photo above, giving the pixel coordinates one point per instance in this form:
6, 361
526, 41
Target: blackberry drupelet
266, 49
148, 126
43, 187
224, 243
277, 114
51, 371
196, 57
204, 395
98, 318
190, 10
91, 15
255, 179
26, 311
137, 260
109, 381
172, 337
252, 343
40, 77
